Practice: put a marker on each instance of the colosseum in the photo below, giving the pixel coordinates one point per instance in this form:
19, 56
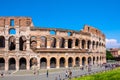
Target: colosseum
23, 45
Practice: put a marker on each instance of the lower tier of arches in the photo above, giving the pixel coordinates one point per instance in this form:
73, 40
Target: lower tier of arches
46, 62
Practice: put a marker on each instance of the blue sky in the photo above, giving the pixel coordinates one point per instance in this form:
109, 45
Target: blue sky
69, 14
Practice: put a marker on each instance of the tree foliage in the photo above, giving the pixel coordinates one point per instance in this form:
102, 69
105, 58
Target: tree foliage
109, 56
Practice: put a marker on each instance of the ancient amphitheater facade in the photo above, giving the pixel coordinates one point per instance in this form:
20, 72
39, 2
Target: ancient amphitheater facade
22, 46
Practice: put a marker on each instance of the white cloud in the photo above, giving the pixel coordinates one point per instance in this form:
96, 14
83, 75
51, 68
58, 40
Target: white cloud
112, 43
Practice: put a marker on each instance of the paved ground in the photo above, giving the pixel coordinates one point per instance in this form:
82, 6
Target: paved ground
52, 75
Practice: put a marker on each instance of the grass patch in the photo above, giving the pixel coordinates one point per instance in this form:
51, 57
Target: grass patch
109, 75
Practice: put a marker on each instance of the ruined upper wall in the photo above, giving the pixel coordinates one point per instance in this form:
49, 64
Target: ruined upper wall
17, 21
92, 30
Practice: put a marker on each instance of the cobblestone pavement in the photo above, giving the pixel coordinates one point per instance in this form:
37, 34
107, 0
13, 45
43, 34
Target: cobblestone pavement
52, 75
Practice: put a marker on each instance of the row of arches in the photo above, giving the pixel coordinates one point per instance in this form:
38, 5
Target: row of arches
63, 62
53, 43
12, 42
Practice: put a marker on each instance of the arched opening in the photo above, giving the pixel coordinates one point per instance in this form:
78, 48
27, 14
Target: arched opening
12, 64
83, 61
77, 42
12, 44
89, 60
77, 61
69, 43
33, 63
2, 64
2, 42
22, 63
33, 42
52, 32
22, 43
62, 62
88, 44
69, 34
93, 60
83, 44
97, 59
70, 62
93, 45
12, 31
43, 42
53, 42
43, 63
62, 43
53, 62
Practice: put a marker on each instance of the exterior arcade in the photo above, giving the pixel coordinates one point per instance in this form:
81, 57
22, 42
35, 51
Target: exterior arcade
24, 46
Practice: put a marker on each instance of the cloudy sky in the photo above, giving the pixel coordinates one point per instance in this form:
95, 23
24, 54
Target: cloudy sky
70, 14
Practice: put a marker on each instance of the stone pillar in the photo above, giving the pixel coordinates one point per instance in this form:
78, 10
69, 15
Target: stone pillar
73, 44
73, 62
66, 62
58, 64
86, 62
38, 43
28, 44
17, 44
91, 46
48, 63
17, 64
58, 43
86, 43
66, 43
38, 63
48, 42
6, 29
28, 64
80, 44
6, 65
6, 44
80, 61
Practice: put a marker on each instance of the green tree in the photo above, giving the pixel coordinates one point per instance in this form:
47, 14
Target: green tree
109, 56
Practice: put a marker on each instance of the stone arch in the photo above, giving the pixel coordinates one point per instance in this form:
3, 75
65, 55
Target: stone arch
12, 31
2, 63
93, 45
77, 61
43, 63
2, 42
83, 44
11, 42
70, 62
22, 43
43, 42
77, 42
22, 63
97, 60
83, 61
53, 42
89, 60
12, 64
62, 43
96, 44
70, 43
88, 44
52, 32
33, 62
33, 42
53, 62
62, 62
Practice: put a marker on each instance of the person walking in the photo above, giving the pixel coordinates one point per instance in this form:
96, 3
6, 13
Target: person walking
47, 73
